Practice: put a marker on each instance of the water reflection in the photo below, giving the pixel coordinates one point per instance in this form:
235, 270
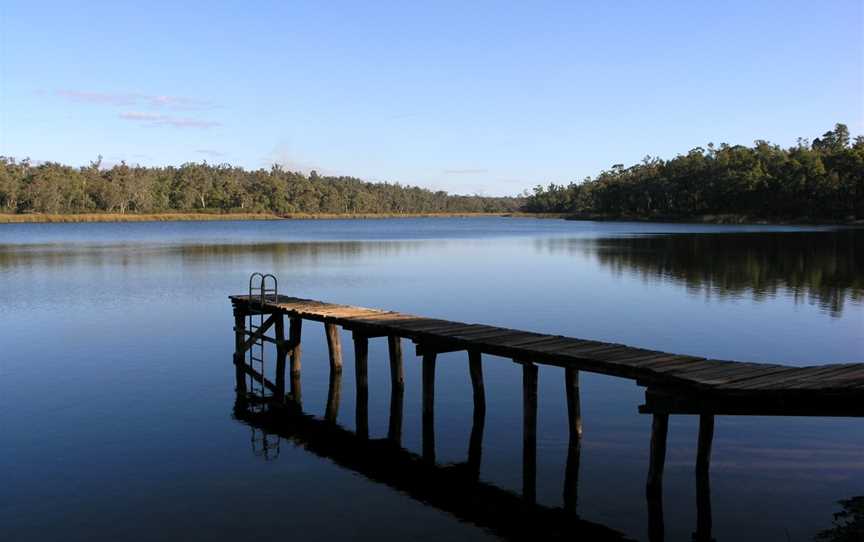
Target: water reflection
453, 488
818, 267
206, 254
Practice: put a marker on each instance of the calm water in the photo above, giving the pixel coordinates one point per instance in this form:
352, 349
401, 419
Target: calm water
117, 390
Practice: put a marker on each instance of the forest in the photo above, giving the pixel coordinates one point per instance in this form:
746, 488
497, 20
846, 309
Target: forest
818, 180
822, 179
201, 187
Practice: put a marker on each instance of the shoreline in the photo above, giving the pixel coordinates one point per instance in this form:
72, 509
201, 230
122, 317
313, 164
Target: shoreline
41, 218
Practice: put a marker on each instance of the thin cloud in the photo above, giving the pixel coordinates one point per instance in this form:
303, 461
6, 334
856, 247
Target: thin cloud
465, 171
133, 99
168, 120
211, 152
102, 98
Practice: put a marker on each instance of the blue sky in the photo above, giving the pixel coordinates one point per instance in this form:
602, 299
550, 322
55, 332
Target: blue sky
467, 97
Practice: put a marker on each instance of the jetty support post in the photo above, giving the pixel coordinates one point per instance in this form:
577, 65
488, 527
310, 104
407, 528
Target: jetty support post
397, 389
703, 478
475, 445
574, 450
654, 487
239, 353
281, 353
361, 376
334, 346
429, 359
529, 431
295, 332
334, 395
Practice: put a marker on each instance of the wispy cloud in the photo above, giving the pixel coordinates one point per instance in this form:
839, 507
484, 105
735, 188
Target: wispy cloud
102, 98
212, 153
133, 99
465, 171
168, 120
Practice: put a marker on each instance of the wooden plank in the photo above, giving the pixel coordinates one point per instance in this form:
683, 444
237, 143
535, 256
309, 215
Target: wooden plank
480, 332
781, 380
493, 337
512, 340
663, 360
443, 329
850, 377
591, 350
555, 344
728, 374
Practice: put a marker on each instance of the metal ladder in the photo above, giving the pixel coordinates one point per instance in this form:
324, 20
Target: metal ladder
259, 293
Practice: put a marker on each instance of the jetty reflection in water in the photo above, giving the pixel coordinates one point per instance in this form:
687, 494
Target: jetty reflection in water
453, 488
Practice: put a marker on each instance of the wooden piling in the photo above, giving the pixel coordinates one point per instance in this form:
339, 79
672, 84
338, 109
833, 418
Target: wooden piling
281, 352
574, 450
574, 409
239, 353
334, 394
361, 378
429, 358
394, 426
703, 479
654, 487
334, 346
294, 334
529, 432
475, 368
397, 371
475, 444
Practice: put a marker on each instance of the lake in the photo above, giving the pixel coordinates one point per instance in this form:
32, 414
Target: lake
117, 388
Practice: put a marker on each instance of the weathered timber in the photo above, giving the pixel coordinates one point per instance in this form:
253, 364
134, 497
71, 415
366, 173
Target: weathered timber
397, 369
574, 449
361, 377
703, 479
397, 405
475, 368
654, 487
295, 331
334, 394
429, 406
239, 327
824, 388
334, 346
529, 432
281, 353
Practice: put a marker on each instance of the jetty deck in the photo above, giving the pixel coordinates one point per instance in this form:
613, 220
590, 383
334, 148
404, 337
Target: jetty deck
831, 384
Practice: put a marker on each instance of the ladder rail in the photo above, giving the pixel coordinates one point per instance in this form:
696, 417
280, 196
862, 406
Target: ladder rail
259, 293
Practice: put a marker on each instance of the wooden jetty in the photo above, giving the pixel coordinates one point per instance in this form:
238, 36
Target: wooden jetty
675, 384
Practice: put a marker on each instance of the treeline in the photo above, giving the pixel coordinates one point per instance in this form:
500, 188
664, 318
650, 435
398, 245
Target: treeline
822, 179
59, 189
